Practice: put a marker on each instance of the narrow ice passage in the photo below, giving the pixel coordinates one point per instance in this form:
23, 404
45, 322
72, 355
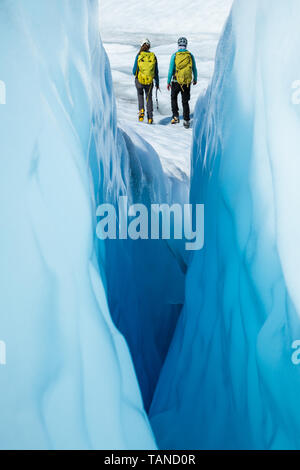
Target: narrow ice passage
146, 297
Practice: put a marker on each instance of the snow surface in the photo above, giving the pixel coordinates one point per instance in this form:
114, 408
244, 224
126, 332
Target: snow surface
123, 26
234, 384
164, 16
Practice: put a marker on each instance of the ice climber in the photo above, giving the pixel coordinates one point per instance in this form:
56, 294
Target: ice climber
145, 70
182, 73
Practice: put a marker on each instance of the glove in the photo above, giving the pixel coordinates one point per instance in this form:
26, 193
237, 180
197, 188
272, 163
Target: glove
169, 86
195, 82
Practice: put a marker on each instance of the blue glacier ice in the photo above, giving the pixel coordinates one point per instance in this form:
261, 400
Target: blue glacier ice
229, 380
92, 329
69, 381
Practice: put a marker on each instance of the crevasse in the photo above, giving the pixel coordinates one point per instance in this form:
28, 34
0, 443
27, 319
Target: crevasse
229, 380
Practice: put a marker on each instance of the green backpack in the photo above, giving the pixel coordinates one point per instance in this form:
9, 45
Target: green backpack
184, 68
146, 67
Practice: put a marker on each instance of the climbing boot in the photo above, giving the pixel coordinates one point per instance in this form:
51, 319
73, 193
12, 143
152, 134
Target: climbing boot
175, 120
141, 115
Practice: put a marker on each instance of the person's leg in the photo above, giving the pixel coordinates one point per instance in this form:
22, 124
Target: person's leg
186, 96
174, 99
140, 93
149, 99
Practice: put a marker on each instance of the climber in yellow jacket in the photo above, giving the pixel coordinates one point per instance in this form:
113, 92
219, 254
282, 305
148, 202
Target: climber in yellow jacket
145, 70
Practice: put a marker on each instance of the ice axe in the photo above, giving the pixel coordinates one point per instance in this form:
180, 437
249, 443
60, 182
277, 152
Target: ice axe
157, 105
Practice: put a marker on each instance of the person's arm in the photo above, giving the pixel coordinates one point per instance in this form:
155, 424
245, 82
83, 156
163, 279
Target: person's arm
195, 71
135, 67
156, 78
171, 69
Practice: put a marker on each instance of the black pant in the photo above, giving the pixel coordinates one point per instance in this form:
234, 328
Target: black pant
185, 91
147, 89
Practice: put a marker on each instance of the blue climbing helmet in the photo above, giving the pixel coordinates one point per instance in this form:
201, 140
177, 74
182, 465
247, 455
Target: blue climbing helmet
182, 42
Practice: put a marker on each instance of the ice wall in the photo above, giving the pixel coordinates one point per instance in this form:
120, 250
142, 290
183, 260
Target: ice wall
69, 380
236, 382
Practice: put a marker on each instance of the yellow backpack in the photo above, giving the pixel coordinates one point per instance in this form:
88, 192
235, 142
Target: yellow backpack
184, 68
146, 67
